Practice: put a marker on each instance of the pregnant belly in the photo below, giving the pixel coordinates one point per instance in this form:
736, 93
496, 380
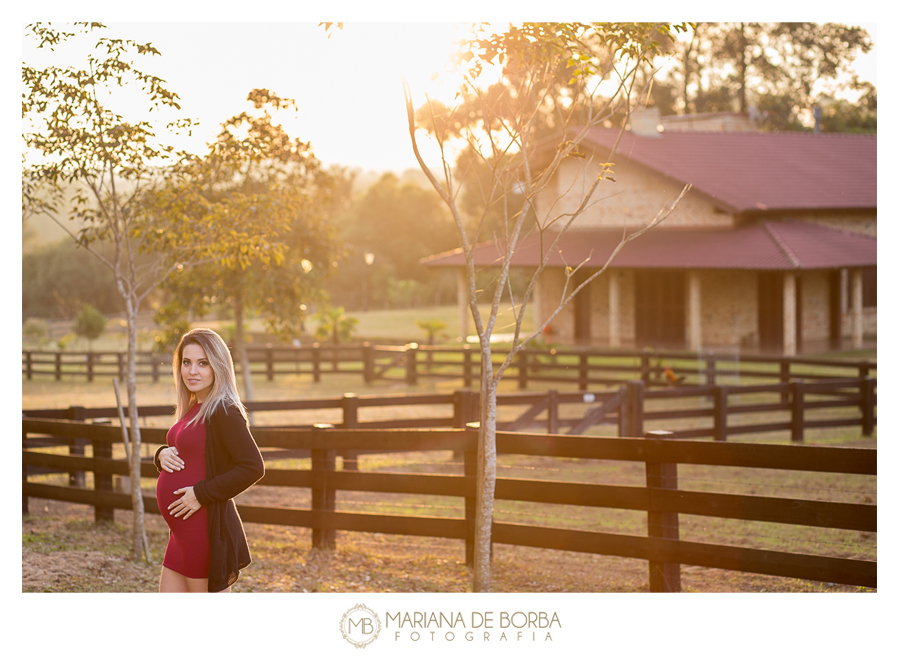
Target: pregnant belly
167, 485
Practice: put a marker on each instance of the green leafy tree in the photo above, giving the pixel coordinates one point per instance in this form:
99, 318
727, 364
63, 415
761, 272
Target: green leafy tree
58, 279
335, 325
780, 68
384, 224
255, 164
520, 150
89, 323
109, 181
36, 330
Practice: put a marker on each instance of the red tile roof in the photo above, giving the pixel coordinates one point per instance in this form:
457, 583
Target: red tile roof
750, 171
766, 245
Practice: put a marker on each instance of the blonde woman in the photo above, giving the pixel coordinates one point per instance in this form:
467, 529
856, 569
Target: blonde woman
210, 458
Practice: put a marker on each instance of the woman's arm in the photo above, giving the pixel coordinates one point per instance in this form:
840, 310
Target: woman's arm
230, 428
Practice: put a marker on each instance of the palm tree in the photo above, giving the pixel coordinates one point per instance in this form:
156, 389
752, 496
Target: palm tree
334, 324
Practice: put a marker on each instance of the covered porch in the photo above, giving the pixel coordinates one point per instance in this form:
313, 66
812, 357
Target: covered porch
772, 286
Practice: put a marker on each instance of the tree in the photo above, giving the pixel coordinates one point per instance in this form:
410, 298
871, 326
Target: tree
390, 207
36, 330
780, 68
255, 164
500, 125
431, 328
58, 279
127, 189
89, 323
334, 324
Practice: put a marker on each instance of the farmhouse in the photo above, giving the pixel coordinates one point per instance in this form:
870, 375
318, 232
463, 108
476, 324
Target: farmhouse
773, 249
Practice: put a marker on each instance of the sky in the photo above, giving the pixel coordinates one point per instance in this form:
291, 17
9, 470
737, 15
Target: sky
347, 83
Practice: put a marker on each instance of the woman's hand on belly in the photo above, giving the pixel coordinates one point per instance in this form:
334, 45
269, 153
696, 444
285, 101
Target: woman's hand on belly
186, 505
169, 459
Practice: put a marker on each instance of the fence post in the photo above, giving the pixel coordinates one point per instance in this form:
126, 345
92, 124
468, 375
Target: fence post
368, 363
28, 366
350, 407
323, 495
24, 471
582, 371
412, 351
711, 370
102, 481
154, 367
465, 408
634, 425
58, 372
664, 576
797, 412
552, 411
76, 478
317, 362
867, 405
523, 369
467, 366
645, 368
784, 377
720, 413
90, 366
270, 363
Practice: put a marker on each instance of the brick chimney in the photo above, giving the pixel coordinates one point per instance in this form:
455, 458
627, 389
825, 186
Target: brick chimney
645, 122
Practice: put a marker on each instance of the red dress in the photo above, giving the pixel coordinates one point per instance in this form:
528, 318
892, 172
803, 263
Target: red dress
187, 552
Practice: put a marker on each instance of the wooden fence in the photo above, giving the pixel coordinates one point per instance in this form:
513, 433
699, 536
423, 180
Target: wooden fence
584, 368
660, 498
717, 411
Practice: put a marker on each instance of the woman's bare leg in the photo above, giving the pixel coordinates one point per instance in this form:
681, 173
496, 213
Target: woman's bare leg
172, 581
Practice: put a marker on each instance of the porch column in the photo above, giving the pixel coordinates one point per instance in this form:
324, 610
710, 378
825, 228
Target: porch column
537, 303
789, 313
462, 302
856, 307
694, 327
615, 334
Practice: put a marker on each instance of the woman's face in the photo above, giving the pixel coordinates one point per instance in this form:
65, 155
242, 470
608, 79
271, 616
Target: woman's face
196, 372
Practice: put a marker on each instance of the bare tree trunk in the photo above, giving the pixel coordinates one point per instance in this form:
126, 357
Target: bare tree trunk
742, 71
240, 346
138, 534
487, 473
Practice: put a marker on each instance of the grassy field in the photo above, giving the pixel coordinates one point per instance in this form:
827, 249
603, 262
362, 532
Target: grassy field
385, 324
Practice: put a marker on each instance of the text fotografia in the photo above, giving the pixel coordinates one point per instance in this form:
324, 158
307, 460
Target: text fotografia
478, 626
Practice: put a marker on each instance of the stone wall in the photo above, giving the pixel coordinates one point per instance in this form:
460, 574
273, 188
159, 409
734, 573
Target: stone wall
634, 199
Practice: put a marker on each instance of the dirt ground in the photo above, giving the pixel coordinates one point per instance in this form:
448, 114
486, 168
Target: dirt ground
63, 550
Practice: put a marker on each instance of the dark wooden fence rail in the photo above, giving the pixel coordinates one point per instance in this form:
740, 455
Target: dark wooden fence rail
716, 411
661, 498
585, 368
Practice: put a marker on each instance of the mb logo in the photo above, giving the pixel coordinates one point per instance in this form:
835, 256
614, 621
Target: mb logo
360, 626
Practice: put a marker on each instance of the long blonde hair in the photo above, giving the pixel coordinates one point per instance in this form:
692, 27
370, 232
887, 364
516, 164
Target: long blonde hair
224, 388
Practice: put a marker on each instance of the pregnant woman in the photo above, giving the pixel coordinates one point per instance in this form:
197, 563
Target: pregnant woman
210, 458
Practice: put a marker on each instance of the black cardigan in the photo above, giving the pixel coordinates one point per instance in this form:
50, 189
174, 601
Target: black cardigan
233, 464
